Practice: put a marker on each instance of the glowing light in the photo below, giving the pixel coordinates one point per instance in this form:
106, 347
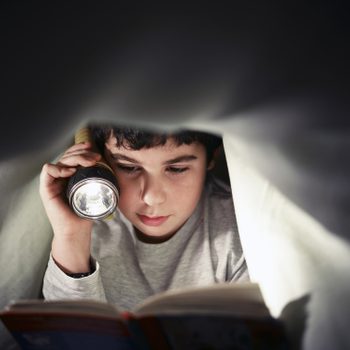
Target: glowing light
94, 199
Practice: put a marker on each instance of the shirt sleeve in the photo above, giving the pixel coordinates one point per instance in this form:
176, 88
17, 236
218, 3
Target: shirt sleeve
58, 285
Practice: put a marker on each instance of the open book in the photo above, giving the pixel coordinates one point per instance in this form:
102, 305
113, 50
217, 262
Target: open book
222, 316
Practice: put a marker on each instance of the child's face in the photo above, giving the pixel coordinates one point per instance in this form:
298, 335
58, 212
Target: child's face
159, 187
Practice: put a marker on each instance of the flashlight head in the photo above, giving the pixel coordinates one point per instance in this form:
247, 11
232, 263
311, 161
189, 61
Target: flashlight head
93, 192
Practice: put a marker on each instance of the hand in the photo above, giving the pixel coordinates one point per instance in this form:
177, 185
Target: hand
72, 234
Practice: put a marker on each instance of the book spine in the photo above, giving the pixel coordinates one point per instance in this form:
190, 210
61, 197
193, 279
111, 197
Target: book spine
146, 332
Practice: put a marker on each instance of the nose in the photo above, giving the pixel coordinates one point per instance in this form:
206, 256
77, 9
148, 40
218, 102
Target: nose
153, 192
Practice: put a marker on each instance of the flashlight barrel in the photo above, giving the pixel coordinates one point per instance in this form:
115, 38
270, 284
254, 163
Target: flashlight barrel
98, 205
83, 135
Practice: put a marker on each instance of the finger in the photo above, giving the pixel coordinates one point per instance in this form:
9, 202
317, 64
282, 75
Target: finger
85, 153
79, 147
79, 159
51, 172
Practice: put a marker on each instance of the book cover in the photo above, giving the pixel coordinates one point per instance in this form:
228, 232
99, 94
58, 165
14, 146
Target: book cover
223, 316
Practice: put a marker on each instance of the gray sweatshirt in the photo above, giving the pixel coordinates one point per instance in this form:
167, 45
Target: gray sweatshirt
205, 250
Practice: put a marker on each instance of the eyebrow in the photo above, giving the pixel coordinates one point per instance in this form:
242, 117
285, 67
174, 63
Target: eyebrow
184, 158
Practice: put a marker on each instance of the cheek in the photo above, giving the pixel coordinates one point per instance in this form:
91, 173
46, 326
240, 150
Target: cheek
128, 194
188, 194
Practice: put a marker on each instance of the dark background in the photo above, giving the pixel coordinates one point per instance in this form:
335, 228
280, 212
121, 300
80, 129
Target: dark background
166, 63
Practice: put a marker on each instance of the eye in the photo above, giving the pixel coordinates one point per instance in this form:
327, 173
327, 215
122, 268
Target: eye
129, 169
177, 170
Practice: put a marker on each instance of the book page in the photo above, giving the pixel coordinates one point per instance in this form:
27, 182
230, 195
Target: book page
76, 307
243, 299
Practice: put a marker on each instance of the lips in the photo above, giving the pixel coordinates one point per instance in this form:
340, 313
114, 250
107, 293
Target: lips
152, 220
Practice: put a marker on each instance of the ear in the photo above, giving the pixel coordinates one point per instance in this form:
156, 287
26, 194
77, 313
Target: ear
212, 163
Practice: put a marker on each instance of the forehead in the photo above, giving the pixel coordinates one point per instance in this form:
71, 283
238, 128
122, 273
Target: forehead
162, 152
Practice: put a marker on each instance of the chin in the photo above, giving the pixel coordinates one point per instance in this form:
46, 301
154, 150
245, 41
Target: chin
152, 232
152, 236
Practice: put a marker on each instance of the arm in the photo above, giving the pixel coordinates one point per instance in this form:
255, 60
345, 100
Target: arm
70, 253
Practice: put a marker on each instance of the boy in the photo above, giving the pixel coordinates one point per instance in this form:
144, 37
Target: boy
174, 226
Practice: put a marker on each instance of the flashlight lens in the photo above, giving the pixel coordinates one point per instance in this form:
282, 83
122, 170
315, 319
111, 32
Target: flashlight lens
94, 199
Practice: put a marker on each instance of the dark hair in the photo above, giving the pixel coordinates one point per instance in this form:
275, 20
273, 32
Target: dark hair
138, 138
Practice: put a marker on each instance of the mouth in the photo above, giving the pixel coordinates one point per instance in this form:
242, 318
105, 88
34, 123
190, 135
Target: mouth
152, 220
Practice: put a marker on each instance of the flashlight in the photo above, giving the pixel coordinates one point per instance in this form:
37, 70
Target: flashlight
92, 191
